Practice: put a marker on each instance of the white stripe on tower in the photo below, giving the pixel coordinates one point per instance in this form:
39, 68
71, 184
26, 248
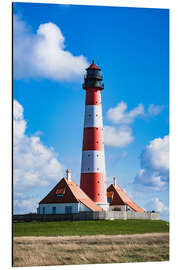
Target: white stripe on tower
93, 116
93, 161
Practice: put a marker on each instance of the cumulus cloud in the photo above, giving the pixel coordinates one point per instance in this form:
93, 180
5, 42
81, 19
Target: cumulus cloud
154, 173
43, 55
117, 136
34, 164
24, 206
154, 110
119, 114
157, 205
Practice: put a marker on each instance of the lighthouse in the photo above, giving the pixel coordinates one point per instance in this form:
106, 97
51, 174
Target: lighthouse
93, 175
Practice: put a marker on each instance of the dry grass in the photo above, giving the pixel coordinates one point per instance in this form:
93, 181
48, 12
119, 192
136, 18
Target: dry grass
67, 250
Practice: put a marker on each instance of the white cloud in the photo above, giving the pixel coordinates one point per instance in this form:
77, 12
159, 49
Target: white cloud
117, 137
24, 206
34, 165
43, 55
154, 110
154, 173
120, 115
157, 205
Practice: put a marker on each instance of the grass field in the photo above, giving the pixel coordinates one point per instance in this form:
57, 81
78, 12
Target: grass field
69, 250
103, 227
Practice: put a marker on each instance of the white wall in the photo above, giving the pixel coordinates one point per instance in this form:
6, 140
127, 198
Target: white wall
83, 208
122, 207
60, 208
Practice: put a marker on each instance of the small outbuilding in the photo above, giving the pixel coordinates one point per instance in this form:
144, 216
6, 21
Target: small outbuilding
119, 200
65, 198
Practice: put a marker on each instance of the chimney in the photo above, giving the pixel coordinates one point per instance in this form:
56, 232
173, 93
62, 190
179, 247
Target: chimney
115, 181
68, 175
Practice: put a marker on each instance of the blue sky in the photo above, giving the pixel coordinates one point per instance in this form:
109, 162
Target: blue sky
131, 45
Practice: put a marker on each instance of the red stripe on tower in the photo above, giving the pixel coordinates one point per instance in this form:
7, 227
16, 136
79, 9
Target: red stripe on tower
93, 175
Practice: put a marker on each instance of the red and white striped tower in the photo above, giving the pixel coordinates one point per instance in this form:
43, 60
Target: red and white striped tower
93, 176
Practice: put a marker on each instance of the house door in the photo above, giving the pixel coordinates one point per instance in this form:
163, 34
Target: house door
68, 209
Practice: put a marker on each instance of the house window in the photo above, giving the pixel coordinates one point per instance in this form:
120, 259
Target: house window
110, 196
54, 210
60, 192
43, 210
68, 209
109, 200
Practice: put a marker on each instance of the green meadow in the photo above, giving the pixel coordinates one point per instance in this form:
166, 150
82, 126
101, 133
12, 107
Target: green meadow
100, 227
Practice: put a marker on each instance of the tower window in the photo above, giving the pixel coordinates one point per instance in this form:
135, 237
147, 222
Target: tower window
96, 141
97, 169
96, 128
88, 169
97, 155
96, 114
88, 155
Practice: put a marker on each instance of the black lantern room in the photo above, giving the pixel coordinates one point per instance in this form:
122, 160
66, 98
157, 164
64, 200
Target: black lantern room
93, 77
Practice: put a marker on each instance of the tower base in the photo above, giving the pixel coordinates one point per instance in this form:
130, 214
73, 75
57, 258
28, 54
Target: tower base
104, 206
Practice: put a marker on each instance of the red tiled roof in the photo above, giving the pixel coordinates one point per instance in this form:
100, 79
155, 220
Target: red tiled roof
119, 197
93, 66
83, 198
72, 194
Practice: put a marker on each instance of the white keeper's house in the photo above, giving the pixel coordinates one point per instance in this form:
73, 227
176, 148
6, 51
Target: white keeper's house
65, 198
118, 199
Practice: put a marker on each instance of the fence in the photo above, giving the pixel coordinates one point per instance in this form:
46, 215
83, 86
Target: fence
105, 215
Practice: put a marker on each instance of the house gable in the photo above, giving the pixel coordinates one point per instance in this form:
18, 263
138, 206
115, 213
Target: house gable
61, 193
